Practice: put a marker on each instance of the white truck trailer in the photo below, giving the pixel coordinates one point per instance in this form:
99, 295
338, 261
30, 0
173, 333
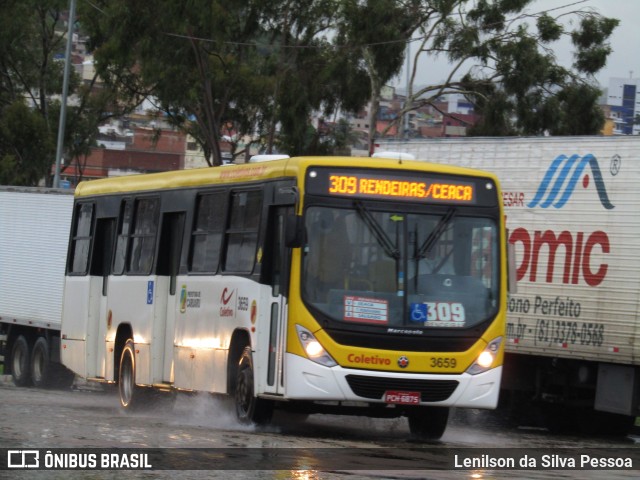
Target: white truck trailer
34, 233
573, 214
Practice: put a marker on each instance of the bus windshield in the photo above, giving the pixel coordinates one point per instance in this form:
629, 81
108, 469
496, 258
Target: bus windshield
371, 266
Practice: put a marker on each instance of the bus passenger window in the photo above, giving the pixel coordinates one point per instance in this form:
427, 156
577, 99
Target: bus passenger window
242, 234
123, 238
144, 236
81, 242
207, 232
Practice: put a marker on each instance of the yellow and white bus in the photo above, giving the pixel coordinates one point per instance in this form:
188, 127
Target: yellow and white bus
316, 284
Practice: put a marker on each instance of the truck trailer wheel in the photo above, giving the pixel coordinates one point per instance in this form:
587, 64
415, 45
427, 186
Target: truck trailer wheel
428, 423
41, 368
20, 362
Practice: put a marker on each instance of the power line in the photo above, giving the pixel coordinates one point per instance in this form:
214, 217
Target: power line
349, 46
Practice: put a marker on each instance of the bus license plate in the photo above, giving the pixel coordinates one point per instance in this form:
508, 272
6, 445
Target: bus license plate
402, 398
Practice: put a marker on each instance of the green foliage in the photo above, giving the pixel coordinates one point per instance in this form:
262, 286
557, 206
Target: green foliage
496, 107
260, 69
520, 89
577, 110
32, 34
376, 31
590, 41
28, 76
548, 28
250, 67
26, 150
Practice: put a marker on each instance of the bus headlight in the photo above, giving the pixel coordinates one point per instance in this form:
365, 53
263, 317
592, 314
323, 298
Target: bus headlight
312, 347
487, 358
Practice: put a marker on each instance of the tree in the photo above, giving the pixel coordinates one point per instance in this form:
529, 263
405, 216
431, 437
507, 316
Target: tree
259, 69
576, 110
25, 145
254, 68
308, 72
28, 77
375, 30
507, 68
32, 35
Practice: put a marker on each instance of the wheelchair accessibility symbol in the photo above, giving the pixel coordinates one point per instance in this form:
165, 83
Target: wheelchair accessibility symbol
418, 312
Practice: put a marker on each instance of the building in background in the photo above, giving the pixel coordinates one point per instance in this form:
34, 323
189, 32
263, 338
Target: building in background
623, 98
124, 149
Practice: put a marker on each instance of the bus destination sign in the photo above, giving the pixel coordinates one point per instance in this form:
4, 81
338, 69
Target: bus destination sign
411, 187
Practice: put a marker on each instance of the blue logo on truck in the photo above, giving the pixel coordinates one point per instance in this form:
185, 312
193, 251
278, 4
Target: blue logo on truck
561, 178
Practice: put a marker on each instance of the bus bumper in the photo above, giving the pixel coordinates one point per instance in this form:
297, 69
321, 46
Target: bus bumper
307, 380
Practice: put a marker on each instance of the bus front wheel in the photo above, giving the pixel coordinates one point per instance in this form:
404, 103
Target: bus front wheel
249, 408
428, 423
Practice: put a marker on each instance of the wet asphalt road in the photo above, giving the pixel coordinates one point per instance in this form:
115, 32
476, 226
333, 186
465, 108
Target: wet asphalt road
90, 417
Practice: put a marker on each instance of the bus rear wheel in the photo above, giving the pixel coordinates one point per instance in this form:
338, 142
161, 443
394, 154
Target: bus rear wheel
21, 362
130, 394
249, 408
428, 423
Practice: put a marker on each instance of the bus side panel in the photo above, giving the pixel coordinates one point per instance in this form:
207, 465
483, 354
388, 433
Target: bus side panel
75, 325
109, 363
209, 311
73, 356
143, 364
132, 301
197, 337
75, 307
201, 369
183, 367
85, 322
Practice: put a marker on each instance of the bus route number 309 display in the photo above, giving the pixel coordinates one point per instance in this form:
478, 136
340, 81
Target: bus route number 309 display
399, 187
438, 314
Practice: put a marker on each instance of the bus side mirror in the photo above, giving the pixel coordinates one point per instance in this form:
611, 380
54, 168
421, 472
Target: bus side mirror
511, 268
293, 231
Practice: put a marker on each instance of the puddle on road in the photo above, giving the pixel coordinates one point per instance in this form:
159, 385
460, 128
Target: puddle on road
205, 410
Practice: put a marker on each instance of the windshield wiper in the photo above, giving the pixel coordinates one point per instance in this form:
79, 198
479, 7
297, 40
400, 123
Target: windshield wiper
381, 236
435, 234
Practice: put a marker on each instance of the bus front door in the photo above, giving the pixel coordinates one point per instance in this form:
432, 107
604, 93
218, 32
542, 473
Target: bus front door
277, 272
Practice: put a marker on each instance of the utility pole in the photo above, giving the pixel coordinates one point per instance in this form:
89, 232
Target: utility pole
405, 120
65, 91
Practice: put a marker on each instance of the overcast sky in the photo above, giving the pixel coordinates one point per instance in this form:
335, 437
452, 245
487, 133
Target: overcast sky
625, 41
